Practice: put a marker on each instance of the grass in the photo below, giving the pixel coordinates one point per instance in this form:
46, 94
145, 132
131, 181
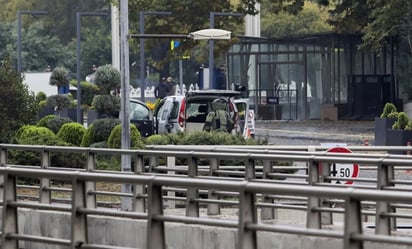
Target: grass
62, 192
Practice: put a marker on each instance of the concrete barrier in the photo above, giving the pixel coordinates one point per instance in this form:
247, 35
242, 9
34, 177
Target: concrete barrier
119, 232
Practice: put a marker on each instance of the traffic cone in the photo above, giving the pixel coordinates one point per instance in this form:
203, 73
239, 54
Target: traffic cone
247, 133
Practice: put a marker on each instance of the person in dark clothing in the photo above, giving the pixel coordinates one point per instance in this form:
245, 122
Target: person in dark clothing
162, 89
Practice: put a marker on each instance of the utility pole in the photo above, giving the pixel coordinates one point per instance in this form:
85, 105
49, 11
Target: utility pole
124, 97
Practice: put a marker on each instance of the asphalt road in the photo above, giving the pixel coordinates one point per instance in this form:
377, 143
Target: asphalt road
315, 132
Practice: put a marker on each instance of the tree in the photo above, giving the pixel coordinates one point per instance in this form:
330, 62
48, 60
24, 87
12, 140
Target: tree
311, 19
18, 105
60, 78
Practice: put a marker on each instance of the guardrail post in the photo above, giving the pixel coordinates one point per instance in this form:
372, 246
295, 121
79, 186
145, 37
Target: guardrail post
267, 213
79, 220
192, 205
353, 224
10, 222
138, 189
383, 223
326, 217
3, 162
91, 186
153, 162
250, 171
247, 238
213, 208
171, 162
313, 218
45, 195
155, 228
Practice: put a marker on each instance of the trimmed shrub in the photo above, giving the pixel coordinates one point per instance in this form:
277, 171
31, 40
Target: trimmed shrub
99, 131
212, 138
59, 77
35, 135
107, 79
53, 122
115, 138
59, 101
402, 121
89, 90
72, 133
106, 105
18, 133
41, 96
87, 137
157, 140
388, 109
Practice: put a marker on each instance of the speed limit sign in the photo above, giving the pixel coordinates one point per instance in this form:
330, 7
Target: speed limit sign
341, 170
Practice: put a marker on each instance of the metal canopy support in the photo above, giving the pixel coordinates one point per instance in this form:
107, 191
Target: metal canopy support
142, 61
19, 13
78, 41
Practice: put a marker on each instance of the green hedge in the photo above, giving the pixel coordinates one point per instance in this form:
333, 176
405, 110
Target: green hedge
72, 133
53, 122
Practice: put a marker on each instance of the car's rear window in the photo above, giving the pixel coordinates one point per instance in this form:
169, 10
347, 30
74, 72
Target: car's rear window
197, 112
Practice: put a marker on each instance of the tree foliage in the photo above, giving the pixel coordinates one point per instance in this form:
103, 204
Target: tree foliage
17, 104
311, 19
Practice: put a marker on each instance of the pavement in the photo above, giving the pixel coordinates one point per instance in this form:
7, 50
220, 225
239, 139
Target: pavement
315, 132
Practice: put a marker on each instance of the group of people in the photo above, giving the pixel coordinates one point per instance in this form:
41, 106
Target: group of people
165, 88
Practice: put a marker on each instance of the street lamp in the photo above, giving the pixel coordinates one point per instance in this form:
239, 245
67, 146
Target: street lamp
212, 42
19, 13
78, 22
142, 66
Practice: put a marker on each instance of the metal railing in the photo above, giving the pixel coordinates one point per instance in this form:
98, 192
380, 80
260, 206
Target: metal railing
201, 184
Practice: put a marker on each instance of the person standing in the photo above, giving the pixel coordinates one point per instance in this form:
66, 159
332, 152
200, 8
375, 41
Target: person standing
161, 89
171, 86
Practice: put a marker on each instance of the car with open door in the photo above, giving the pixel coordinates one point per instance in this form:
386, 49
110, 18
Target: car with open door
141, 116
183, 113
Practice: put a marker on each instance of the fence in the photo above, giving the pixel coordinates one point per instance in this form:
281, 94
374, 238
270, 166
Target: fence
205, 179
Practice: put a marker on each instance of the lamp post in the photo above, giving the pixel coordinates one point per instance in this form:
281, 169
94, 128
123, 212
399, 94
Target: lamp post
212, 42
19, 14
142, 66
78, 34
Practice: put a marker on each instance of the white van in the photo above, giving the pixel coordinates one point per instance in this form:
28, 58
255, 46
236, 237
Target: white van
188, 113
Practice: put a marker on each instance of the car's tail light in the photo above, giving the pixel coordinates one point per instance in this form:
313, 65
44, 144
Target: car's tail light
235, 114
181, 117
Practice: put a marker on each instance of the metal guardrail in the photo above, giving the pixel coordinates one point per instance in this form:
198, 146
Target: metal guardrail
315, 193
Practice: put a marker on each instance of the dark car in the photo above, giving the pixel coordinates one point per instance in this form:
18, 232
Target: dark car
141, 116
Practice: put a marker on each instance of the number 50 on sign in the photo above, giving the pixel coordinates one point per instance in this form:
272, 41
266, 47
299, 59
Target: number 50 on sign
340, 170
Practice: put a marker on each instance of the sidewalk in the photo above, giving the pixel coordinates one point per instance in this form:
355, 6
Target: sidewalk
315, 132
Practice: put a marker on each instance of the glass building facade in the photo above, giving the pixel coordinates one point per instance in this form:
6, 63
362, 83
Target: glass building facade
320, 76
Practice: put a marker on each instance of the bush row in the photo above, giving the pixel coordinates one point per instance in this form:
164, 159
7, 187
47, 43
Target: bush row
53, 130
